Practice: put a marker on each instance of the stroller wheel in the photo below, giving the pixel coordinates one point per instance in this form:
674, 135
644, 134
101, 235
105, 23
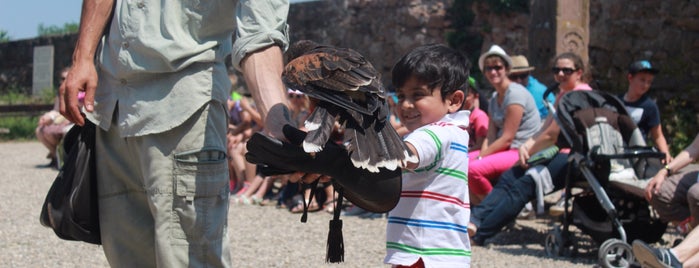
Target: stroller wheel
615, 253
557, 244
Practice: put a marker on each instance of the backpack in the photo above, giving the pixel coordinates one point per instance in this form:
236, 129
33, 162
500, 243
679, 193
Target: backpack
70, 207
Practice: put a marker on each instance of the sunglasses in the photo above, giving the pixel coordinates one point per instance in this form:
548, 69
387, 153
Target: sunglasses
497, 68
292, 95
566, 70
518, 76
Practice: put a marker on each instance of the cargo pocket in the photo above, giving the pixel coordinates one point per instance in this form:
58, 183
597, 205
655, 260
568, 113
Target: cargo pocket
200, 202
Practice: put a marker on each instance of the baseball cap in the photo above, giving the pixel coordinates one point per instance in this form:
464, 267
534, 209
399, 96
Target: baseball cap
642, 66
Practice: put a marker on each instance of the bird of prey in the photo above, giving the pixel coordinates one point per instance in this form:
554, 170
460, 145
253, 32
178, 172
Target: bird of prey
345, 88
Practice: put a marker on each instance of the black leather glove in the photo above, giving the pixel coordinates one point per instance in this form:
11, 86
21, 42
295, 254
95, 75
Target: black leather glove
376, 192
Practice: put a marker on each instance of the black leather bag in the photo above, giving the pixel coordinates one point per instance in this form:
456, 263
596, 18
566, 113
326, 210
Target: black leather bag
70, 207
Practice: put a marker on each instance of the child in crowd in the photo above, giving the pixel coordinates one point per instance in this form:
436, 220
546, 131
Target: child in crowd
478, 120
427, 228
642, 108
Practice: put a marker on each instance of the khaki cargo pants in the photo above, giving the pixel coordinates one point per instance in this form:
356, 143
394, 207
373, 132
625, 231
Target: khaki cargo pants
164, 197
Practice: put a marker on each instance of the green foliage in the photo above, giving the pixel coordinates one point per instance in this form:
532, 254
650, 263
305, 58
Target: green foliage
67, 28
462, 36
681, 126
4, 36
20, 127
17, 95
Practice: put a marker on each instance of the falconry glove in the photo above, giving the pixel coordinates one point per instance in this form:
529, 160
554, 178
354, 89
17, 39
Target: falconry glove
373, 191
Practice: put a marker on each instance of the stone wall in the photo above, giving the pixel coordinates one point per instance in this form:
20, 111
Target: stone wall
16, 59
382, 30
666, 32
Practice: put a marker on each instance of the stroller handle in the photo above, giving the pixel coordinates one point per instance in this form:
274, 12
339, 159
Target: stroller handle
631, 152
550, 90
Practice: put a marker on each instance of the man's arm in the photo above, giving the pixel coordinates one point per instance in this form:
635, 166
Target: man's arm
659, 140
83, 75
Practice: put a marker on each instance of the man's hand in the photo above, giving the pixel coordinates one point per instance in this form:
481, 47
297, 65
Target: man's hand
654, 184
81, 77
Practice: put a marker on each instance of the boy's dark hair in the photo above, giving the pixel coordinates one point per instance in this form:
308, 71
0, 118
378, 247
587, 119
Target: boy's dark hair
436, 65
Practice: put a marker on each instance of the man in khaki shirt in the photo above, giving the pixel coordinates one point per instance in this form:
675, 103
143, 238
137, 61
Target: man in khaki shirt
156, 85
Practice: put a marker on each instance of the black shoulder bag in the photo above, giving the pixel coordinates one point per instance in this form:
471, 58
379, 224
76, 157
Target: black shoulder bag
70, 208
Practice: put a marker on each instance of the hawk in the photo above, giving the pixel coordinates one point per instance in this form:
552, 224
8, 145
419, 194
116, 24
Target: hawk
344, 87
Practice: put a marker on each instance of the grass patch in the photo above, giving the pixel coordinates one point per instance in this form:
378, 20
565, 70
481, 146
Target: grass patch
20, 127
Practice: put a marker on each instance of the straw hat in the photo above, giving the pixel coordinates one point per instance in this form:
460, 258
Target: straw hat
520, 64
498, 51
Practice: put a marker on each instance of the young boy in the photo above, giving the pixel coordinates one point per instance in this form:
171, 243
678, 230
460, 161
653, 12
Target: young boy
643, 109
428, 227
478, 120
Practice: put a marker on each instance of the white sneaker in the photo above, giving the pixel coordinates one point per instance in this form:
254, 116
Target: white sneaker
527, 212
557, 209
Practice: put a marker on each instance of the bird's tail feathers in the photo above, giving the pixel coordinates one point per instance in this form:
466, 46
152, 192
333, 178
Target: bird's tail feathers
378, 146
319, 126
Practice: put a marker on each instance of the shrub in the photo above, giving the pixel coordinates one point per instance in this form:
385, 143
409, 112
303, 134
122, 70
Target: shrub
20, 127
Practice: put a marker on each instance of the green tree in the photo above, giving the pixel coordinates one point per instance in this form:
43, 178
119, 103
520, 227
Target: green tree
67, 28
4, 36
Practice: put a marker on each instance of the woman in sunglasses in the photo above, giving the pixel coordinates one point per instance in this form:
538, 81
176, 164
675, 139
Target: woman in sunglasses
518, 185
514, 118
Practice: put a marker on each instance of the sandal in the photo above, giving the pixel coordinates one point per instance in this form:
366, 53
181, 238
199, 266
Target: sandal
312, 207
329, 206
244, 200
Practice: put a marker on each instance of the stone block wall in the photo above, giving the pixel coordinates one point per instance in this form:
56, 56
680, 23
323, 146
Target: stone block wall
16, 59
665, 32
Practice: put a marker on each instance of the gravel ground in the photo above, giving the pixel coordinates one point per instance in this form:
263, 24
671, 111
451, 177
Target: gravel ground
260, 236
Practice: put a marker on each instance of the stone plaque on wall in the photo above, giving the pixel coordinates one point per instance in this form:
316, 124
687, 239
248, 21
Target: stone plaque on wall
42, 73
573, 27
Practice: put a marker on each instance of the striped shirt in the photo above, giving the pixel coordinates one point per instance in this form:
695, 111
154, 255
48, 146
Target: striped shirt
431, 217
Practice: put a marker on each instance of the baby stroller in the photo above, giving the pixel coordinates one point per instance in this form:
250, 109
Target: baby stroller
605, 147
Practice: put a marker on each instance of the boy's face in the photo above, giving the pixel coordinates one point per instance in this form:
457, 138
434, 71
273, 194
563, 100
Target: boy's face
639, 83
419, 106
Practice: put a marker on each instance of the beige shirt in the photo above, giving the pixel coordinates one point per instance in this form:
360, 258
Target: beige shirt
160, 61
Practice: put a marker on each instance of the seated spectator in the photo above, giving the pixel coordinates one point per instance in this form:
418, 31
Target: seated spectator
315, 205
52, 126
258, 186
674, 191
686, 254
521, 73
243, 121
642, 108
513, 119
517, 186
478, 119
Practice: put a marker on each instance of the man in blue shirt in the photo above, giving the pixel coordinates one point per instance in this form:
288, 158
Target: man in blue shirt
520, 73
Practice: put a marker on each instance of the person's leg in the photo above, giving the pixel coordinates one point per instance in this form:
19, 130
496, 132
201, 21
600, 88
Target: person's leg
191, 222
693, 201
492, 166
688, 248
259, 195
516, 195
164, 197
671, 200
126, 223
496, 196
513, 192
